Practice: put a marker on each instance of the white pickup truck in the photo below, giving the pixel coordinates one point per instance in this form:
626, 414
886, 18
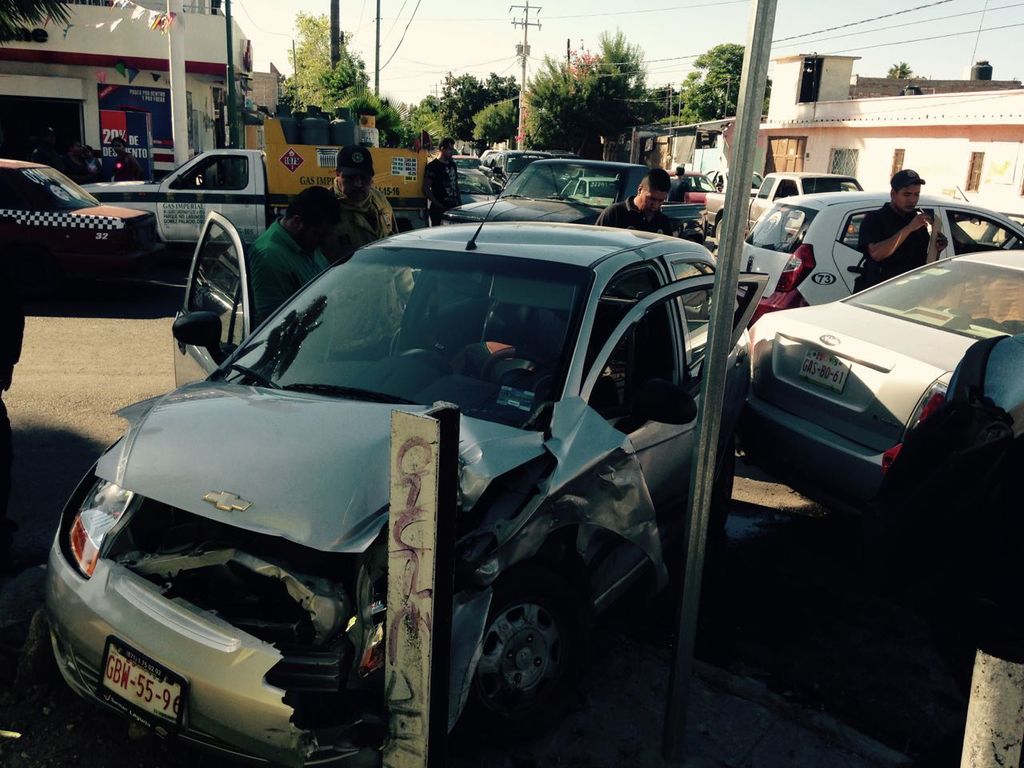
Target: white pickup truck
774, 187
249, 186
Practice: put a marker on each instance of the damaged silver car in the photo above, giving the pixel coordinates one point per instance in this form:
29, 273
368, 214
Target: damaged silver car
220, 574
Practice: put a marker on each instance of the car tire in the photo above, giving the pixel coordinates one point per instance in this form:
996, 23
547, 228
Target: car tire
532, 654
36, 272
718, 225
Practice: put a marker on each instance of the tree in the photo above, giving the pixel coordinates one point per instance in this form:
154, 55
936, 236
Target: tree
314, 83
571, 104
900, 71
388, 117
464, 96
20, 13
426, 116
712, 89
496, 122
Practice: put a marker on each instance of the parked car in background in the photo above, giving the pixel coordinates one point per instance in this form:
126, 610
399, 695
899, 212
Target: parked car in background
1017, 218
228, 556
807, 245
51, 229
476, 187
508, 163
573, 192
721, 178
836, 386
466, 161
691, 188
775, 186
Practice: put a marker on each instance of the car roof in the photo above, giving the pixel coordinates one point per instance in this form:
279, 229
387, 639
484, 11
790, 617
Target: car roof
575, 244
854, 199
1013, 259
5, 163
608, 164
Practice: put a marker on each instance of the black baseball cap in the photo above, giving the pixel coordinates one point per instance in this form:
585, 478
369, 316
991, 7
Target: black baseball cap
355, 161
905, 178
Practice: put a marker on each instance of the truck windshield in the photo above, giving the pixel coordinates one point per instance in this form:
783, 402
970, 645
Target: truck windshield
577, 181
47, 188
491, 334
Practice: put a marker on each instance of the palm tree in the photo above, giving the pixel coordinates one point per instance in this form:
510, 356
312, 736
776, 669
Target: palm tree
900, 71
19, 13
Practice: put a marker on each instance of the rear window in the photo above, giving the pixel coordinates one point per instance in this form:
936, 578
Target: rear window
824, 184
782, 228
971, 299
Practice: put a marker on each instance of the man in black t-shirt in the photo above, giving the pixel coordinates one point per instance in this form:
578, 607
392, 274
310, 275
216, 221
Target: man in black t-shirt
643, 211
894, 239
12, 327
441, 182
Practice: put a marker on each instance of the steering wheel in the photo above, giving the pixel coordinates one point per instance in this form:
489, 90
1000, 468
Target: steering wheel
488, 370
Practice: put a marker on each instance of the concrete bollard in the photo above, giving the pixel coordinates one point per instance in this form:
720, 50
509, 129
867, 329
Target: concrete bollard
995, 714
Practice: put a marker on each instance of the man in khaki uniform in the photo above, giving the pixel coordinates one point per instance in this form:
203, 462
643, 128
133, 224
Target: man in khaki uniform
365, 213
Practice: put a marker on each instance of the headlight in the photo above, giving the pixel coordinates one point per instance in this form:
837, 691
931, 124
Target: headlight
99, 512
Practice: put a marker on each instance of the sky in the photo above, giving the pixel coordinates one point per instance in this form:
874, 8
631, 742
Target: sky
422, 40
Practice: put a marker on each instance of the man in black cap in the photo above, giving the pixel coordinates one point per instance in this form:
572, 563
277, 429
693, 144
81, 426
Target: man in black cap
642, 211
894, 239
365, 215
12, 326
441, 183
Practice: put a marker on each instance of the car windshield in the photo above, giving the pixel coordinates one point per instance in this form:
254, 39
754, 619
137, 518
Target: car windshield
517, 163
491, 334
475, 184
814, 184
465, 161
783, 229
59, 191
568, 180
965, 297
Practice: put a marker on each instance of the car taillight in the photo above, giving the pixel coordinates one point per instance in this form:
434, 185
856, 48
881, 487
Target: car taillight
775, 302
800, 264
933, 399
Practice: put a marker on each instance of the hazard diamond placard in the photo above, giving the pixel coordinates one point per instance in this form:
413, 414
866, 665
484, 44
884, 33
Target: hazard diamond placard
291, 160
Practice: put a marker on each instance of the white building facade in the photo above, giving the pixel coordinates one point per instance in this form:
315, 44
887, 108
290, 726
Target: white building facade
967, 145
114, 58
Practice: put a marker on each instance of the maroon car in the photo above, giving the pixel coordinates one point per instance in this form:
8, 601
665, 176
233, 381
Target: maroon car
51, 228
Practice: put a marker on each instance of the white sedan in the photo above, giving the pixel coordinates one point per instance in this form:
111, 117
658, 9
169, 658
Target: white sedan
836, 386
807, 244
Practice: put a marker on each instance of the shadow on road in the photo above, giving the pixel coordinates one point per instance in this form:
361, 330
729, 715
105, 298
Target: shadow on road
155, 294
48, 464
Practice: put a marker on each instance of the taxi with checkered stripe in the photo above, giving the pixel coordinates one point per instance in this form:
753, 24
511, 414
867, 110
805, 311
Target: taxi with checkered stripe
52, 229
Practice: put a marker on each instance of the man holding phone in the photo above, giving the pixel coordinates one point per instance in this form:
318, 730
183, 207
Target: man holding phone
894, 239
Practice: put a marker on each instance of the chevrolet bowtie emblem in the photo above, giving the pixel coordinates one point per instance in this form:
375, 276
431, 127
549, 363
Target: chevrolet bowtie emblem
228, 502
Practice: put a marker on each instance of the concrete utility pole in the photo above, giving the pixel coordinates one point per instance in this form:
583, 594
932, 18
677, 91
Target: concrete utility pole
176, 66
335, 33
376, 57
712, 392
232, 97
523, 52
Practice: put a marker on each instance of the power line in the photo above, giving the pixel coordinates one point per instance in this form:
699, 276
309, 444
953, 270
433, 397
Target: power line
863, 21
402, 40
923, 39
397, 17
906, 24
261, 29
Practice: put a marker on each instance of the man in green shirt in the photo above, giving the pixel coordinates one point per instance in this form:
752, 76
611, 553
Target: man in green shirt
287, 255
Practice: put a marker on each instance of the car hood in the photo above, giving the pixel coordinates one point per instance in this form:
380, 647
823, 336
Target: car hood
527, 209
121, 190
109, 211
268, 448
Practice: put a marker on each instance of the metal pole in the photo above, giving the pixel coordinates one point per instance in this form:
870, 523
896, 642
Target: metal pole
524, 53
176, 66
232, 97
376, 57
748, 120
335, 33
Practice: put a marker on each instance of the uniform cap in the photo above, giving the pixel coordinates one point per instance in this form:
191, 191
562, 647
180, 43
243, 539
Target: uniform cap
355, 161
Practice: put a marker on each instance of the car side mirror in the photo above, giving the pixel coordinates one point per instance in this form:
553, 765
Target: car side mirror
664, 402
200, 329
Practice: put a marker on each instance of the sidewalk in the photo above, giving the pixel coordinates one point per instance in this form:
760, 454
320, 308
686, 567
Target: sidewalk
733, 721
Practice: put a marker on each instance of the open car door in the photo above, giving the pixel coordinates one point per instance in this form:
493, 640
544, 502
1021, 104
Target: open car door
218, 284
646, 378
